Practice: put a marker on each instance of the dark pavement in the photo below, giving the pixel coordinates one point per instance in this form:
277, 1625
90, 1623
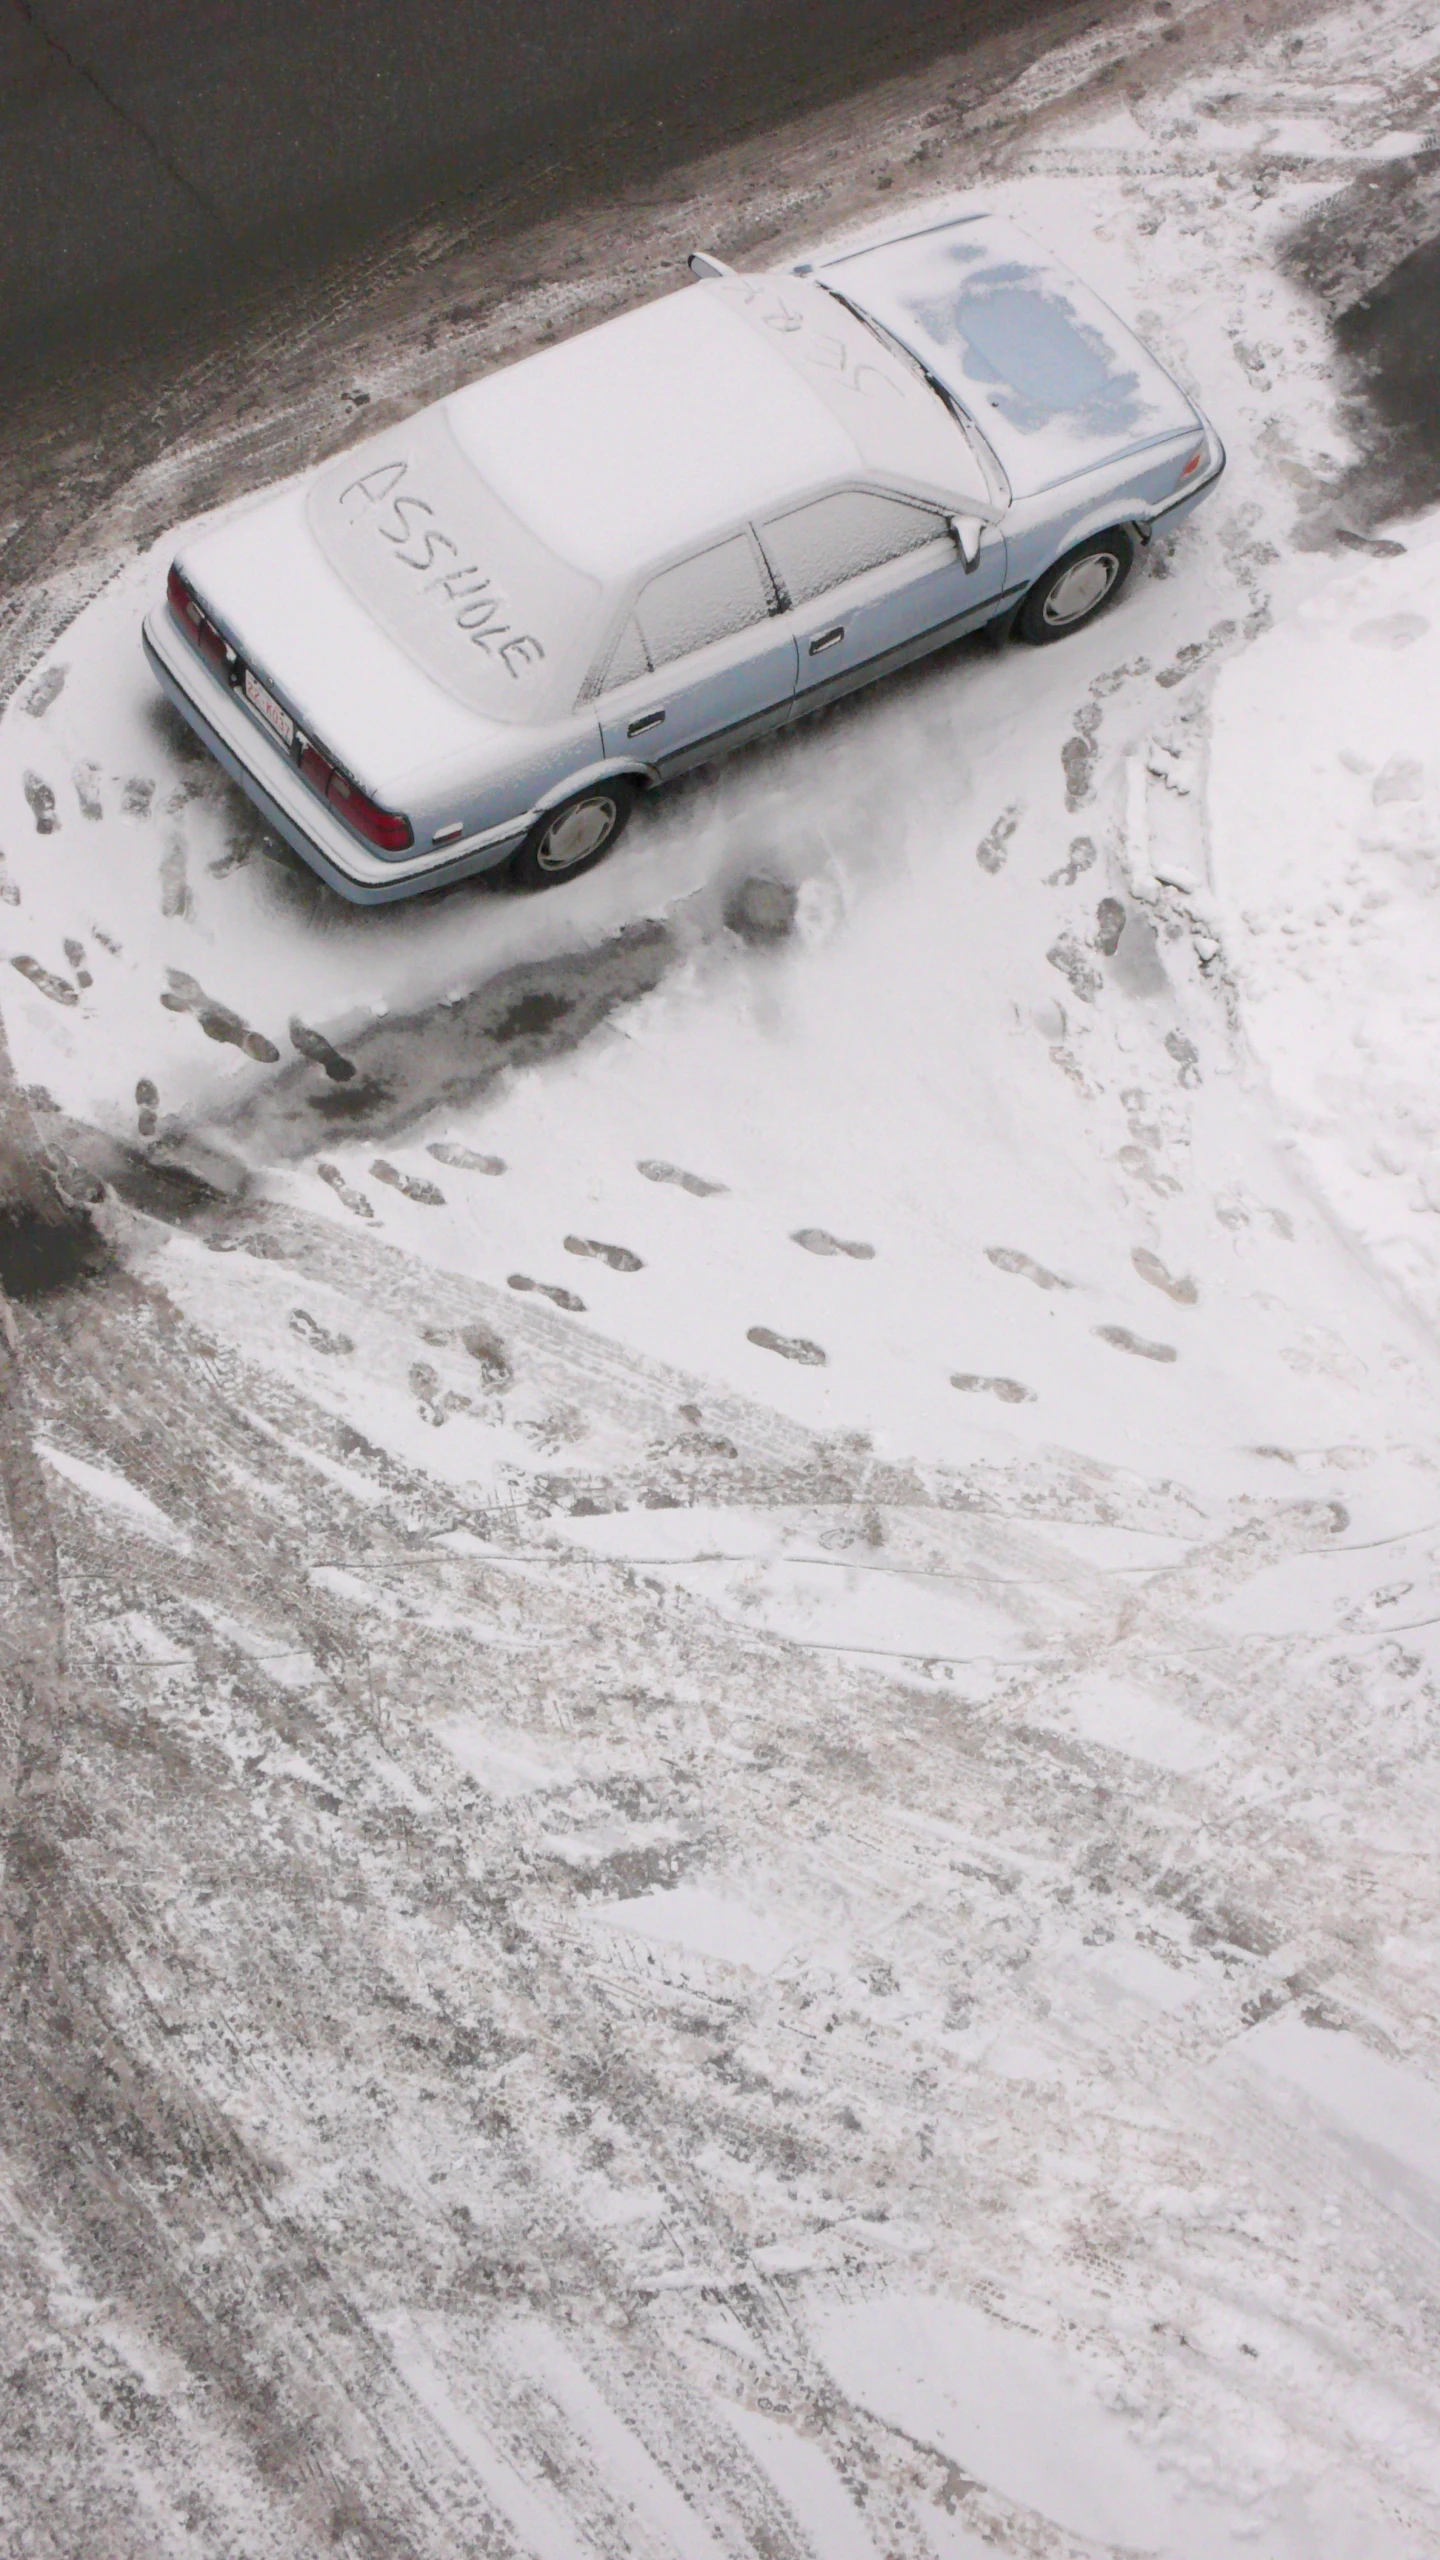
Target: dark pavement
156, 156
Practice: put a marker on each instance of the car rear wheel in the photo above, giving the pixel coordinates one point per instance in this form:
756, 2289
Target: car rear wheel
574, 837
1077, 587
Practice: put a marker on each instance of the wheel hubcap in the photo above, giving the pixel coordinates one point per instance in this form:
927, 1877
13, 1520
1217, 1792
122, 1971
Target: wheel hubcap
1082, 587
580, 832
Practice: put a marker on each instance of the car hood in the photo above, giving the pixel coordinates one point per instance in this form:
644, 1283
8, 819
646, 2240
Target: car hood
1055, 381
350, 685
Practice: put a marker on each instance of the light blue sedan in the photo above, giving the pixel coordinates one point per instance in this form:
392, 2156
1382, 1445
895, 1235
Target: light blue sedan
475, 639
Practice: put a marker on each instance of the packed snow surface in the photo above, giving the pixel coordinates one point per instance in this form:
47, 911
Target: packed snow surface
776, 1774
1324, 804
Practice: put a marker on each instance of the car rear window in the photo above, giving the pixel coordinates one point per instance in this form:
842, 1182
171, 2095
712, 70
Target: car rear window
818, 546
466, 590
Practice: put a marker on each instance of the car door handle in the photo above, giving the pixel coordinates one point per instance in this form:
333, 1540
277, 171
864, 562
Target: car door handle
647, 720
827, 639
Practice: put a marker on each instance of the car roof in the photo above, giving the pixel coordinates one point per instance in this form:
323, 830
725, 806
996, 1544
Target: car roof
641, 437
1056, 381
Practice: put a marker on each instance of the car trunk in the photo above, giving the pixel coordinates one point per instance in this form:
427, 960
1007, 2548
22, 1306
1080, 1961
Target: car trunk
322, 659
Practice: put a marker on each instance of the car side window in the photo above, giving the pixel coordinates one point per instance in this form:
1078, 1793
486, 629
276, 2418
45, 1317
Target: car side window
628, 659
718, 592
818, 546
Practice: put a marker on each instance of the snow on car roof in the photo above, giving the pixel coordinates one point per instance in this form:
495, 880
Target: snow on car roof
1055, 380
672, 422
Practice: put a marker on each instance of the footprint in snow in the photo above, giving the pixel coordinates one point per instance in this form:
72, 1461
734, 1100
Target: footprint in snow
1024, 1266
107, 943
1185, 1055
1082, 857
485, 1345
45, 691
137, 795
42, 804
618, 1256
1122, 1339
1140, 1165
559, 1297
1067, 956
9, 892
820, 1240
1078, 755
436, 1403
309, 1330
217, 1021
1009, 1390
656, 1170
86, 778
59, 990
1186, 660
465, 1159
1150, 1267
174, 886
314, 1046
147, 1096
354, 1201
1109, 925
75, 954
990, 852
791, 1346
429, 1194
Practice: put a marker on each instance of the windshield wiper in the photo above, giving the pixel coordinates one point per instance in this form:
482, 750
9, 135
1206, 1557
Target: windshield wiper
990, 467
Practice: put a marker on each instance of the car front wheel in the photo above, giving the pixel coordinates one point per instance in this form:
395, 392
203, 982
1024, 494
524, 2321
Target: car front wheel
1077, 587
573, 837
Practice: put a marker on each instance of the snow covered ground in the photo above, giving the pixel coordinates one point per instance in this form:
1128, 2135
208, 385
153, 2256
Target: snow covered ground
785, 1795
1324, 812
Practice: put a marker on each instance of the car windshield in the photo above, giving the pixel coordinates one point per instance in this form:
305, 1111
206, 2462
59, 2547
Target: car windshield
466, 590
996, 481
878, 391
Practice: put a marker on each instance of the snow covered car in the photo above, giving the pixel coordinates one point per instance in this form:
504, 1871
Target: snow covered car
474, 639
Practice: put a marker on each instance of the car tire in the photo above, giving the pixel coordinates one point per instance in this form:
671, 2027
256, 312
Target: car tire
573, 837
1073, 590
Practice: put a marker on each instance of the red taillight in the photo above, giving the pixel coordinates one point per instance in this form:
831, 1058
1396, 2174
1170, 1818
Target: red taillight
196, 622
383, 827
1193, 464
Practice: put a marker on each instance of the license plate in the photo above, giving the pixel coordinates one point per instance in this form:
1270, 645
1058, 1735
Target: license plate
269, 710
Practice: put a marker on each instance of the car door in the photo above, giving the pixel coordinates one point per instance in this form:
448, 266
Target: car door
873, 580
702, 664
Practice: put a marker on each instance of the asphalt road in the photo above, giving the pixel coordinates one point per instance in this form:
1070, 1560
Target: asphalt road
155, 157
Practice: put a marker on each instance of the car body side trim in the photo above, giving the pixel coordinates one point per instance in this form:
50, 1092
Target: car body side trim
814, 697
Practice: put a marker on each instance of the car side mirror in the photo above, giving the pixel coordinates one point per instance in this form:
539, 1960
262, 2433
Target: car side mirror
968, 531
701, 264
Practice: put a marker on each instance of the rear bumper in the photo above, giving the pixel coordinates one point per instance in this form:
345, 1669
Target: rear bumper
288, 805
